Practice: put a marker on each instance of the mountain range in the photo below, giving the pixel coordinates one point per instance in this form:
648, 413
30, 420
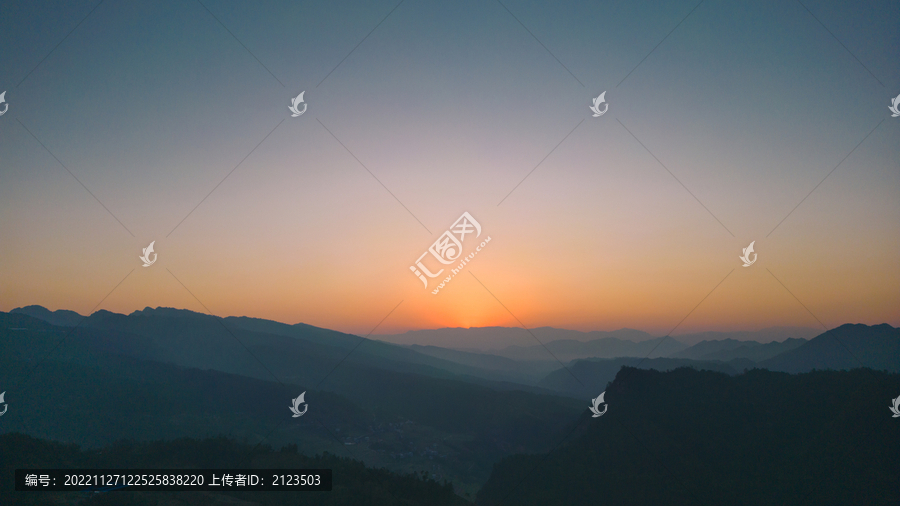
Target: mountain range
494, 339
164, 373
690, 437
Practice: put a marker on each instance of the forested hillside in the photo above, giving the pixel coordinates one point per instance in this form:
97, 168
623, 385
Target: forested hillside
701, 437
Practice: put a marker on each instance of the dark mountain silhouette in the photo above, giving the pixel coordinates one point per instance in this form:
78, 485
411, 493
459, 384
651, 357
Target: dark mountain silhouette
728, 349
877, 347
490, 339
690, 437
60, 317
91, 396
299, 330
611, 347
473, 368
298, 353
702, 348
583, 379
607, 347
846, 347
173, 335
765, 335
564, 344
167, 373
87, 385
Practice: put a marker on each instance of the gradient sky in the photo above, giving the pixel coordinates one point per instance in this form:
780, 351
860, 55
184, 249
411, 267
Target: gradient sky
450, 105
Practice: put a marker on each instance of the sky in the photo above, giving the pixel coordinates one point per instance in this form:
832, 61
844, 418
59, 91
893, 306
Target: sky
728, 122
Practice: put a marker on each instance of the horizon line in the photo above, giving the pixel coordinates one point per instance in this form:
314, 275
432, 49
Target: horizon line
654, 336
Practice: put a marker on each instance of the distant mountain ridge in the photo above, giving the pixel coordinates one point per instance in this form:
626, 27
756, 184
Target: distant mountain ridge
729, 349
493, 339
537, 351
583, 379
846, 347
658, 347
763, 336
297, 353
60, 317
606, 347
